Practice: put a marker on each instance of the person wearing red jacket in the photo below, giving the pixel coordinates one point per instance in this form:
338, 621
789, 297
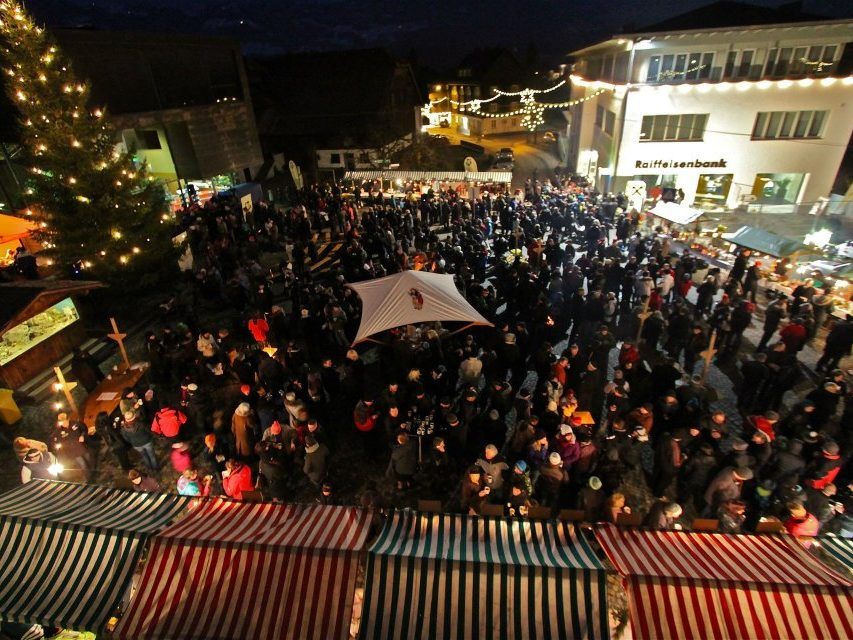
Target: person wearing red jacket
168, 423
801, 522
236, 479
765, 423
259, 328
794, 336
826, 467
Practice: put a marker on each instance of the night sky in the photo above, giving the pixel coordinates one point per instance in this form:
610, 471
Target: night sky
438, 31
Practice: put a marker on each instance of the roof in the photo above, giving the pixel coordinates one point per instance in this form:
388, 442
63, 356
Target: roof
445, 176
839, 549
459, 576
276, 525
410, 297
69, 551
264, 571
712, 585
23, 299
727, 13
91, 506
676, 213
764, 241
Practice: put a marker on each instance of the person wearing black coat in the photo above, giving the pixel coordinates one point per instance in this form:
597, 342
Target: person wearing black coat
838, 344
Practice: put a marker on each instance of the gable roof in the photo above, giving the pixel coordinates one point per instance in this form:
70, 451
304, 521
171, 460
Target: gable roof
23, 299
728, 13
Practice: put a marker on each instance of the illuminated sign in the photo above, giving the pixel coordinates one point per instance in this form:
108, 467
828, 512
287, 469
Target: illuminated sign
680, 164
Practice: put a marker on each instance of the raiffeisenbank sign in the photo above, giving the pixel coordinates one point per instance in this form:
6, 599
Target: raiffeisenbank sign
681, 164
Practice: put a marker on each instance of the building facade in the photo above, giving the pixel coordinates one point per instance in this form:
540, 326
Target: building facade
756, 117
466, 102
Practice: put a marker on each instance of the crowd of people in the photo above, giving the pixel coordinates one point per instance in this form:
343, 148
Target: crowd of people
588, 392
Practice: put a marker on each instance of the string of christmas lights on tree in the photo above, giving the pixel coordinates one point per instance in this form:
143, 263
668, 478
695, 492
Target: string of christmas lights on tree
96, 208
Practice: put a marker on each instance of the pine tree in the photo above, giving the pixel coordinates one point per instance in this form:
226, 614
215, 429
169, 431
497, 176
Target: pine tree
99, 212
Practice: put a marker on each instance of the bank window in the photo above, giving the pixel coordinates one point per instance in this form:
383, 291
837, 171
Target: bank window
334, 158
779, 125
685, 127
599, 116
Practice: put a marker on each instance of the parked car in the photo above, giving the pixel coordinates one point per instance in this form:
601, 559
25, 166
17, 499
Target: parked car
503, 165
506, 154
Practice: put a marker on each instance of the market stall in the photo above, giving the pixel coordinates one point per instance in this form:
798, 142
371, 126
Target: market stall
675, 213
240, 570
457, 576
838, 549
466, 183
14, 232
411, 297
765, 242
68, 551
711, 585
40, 322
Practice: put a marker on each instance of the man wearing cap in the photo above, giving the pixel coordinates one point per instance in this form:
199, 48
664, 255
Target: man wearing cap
474, 491
726, 485
825, 467
139, 437
552, 478
591, 499
38, 465
494, 467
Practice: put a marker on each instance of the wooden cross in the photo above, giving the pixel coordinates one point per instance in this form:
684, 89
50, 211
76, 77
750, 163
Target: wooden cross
119, 337
708, 354
643, 315
66, 388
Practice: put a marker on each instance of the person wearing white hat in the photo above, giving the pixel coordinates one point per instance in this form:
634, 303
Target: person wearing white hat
552, 478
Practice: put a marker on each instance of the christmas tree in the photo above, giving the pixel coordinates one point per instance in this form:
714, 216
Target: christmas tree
100, 214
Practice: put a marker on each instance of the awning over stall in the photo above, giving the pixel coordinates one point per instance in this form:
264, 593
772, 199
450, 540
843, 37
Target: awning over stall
432, 176
68, 551
240, 570
455, 576
676, 213
764, 242
710, 585
410, 297
839, 549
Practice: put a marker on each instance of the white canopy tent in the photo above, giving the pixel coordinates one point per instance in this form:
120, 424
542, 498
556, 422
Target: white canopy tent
676, 213
410, 297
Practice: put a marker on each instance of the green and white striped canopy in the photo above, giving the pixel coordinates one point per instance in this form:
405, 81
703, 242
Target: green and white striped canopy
68, 551
839, 549
454, 576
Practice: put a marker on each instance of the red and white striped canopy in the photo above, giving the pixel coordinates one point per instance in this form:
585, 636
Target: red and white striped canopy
709, 585
239, 570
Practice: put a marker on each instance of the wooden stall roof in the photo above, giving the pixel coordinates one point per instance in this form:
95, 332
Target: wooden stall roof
24, 299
